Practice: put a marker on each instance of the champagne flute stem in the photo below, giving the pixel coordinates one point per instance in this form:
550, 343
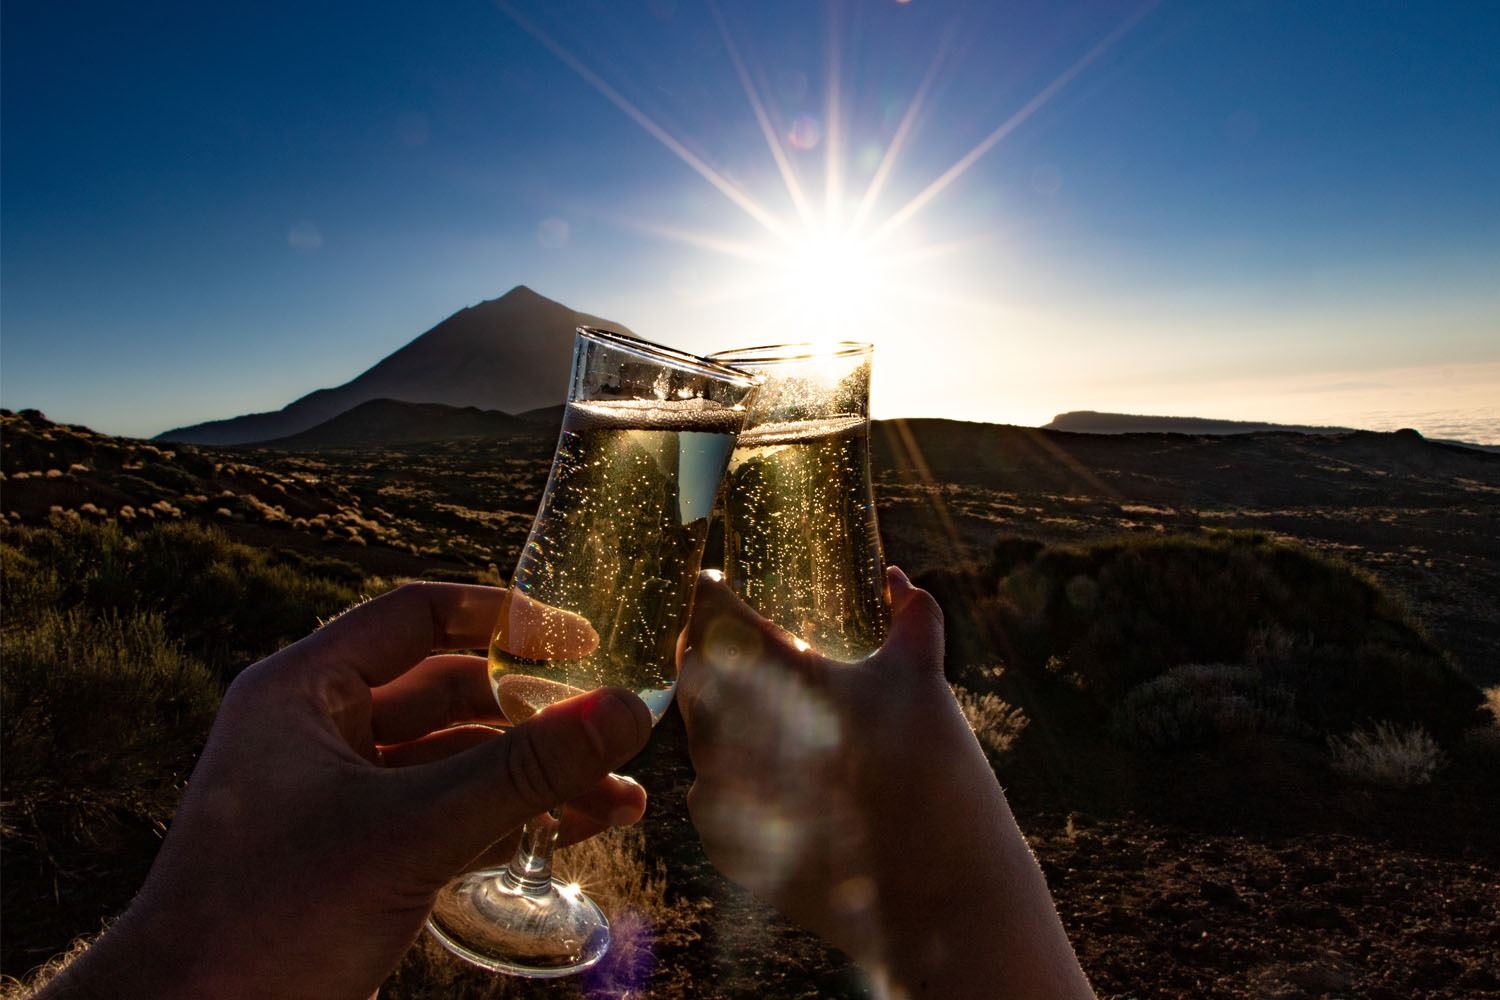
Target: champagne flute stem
530, 871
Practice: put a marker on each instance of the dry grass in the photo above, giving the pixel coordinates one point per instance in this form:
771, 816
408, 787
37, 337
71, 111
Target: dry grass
1386, 755
645, 924
12, 988
614, 869
995, 721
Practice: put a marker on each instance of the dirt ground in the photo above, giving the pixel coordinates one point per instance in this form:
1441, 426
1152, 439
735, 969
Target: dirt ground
1248, 873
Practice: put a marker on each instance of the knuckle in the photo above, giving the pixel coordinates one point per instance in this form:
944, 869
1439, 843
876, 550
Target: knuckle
250, 686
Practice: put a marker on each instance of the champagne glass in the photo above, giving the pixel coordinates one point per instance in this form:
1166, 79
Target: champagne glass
802, 545
617, 543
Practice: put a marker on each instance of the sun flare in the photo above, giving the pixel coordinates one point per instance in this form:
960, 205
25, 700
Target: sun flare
833, 236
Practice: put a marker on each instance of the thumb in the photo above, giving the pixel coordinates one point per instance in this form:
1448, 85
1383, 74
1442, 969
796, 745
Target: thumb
727, 643
916, 634
478, 796
726, 632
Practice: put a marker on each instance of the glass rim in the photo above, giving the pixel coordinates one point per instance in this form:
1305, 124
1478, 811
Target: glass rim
782, 354
660, 352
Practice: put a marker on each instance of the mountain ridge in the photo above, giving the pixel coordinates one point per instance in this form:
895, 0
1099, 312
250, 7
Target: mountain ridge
386, 423
1098, 422
393, 423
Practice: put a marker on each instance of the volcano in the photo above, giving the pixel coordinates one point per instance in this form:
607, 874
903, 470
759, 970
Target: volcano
511, 354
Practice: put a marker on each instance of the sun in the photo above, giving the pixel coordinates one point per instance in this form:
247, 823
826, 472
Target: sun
827, 272
826, 281
834, 265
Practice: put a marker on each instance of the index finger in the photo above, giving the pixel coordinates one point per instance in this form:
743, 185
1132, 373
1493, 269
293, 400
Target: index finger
383, 638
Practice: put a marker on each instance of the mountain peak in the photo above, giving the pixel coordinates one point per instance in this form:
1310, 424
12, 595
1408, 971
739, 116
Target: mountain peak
510, 354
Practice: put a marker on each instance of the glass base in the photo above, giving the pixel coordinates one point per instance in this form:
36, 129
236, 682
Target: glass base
503, 924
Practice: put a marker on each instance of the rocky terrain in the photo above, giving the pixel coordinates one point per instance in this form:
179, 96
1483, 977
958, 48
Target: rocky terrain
1247, 870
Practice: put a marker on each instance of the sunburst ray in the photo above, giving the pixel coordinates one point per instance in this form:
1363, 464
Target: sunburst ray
722, 184
902, 215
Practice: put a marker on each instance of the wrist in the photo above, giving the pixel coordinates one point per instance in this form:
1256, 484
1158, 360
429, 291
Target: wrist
167, 953
963, 907
125, 961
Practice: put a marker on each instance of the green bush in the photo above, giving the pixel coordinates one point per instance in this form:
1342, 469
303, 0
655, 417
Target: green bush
102, 711
167, 476
27, 587
114, 650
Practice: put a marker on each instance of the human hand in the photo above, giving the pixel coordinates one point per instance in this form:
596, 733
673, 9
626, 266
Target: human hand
337, 794
854, 798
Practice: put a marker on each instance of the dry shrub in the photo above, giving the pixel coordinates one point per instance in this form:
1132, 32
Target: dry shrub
1484, 741
1386, 755
995, 721
1199, 703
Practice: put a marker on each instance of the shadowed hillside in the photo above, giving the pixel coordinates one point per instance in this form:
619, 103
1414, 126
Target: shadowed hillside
1419, 514
387, 423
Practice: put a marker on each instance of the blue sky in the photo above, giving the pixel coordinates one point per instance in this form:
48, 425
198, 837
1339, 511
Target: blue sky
1280, 211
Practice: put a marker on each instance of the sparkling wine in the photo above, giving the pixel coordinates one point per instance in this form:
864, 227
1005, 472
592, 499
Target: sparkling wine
802, 545
617, 543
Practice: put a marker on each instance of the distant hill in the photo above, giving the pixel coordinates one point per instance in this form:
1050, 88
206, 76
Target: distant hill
1267, 469
546, 416
1094, 422
510, 354
390, 423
